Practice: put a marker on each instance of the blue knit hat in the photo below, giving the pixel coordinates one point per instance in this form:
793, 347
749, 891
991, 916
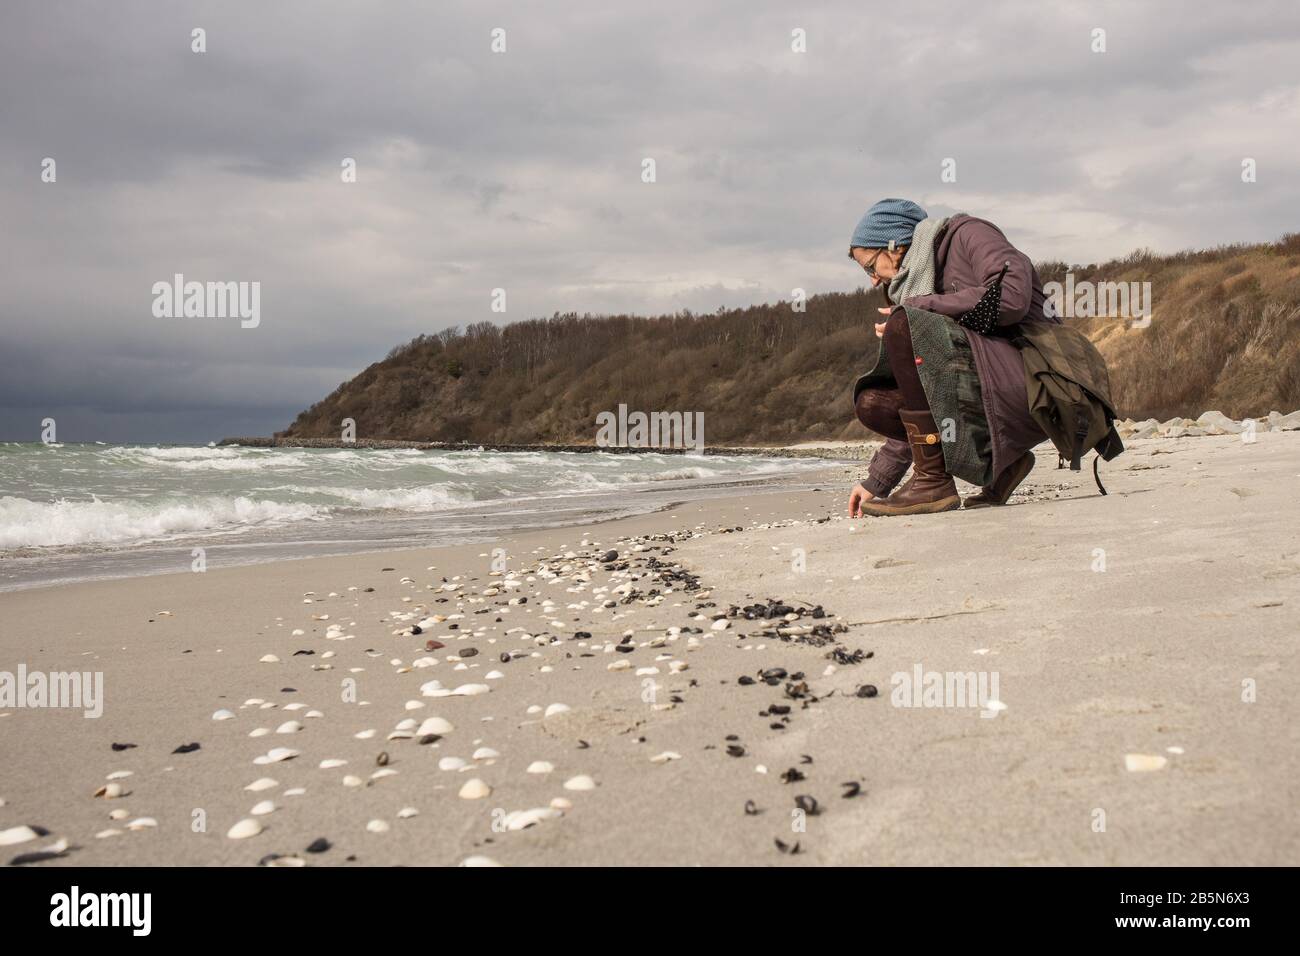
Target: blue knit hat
890, 220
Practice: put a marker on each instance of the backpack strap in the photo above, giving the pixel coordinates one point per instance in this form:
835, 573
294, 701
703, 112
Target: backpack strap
1081, 425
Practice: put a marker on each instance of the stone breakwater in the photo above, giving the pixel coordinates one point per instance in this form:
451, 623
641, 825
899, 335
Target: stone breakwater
844, 453
1209, 423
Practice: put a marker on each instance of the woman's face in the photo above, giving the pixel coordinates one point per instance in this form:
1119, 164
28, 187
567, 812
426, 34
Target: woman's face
881, 265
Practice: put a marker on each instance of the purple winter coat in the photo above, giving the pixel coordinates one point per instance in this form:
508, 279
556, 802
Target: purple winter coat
969, 254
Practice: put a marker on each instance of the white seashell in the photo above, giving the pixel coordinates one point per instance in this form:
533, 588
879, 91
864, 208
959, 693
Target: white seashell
244, 829
331, 763
115, 775
721, 625
383, 772
351, 780
485, 753
414, 704
142, 823
262, 783
580, 782
268, 659
407, 812
118, 814
554, 709
105, 834
377, 826
451, 763
313, 713
364, 734
621, 665
263, 808
223, 715
666, 756
407, 724
435, 725
431, 688
289, 727
400, 735
540, 766
474, 789
286, 861
294, 706
110, 791
493, 675
295, 791
1139, 763
479, 861
259, 732
534, 709
646, 671
523, 819
275, 755
16, 835
561, 803
471, 690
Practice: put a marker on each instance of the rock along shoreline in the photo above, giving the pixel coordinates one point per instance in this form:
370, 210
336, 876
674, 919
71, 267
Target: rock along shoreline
1209, 423
845, 453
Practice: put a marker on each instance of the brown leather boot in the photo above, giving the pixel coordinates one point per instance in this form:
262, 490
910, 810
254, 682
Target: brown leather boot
930, 489
1005, 483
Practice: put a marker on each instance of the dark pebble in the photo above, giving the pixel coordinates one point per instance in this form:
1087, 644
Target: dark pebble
120, 747
807, 804
319, 845
867, 690
186, 749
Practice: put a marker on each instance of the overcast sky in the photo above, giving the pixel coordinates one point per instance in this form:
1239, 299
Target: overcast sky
523, 170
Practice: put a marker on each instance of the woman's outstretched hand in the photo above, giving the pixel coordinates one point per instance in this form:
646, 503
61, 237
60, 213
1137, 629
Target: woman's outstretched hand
856, 497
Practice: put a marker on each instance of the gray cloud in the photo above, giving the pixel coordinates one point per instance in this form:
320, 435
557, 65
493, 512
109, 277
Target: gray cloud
522, 170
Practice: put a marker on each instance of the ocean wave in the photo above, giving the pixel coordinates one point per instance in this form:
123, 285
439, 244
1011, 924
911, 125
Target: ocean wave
421, 498
35, 524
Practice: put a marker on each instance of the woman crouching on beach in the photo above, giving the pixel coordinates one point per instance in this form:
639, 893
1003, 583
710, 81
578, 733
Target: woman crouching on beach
948, 388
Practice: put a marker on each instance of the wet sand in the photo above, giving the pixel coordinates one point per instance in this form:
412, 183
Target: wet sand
745, 745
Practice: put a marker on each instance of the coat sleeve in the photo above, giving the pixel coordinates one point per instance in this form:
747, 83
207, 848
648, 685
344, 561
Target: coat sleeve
986, 250
888, 465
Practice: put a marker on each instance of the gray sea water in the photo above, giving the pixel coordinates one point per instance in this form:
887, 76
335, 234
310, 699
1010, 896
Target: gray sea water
76, 511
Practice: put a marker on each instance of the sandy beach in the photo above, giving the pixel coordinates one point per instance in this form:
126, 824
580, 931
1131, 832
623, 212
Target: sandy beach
1136, 655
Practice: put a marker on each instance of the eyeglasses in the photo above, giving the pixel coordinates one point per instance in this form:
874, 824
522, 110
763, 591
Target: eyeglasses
870, 266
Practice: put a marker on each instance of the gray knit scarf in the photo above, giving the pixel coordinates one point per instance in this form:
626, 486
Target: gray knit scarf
916, 274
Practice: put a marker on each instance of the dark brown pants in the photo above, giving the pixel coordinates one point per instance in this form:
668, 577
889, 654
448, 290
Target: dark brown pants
878, 408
